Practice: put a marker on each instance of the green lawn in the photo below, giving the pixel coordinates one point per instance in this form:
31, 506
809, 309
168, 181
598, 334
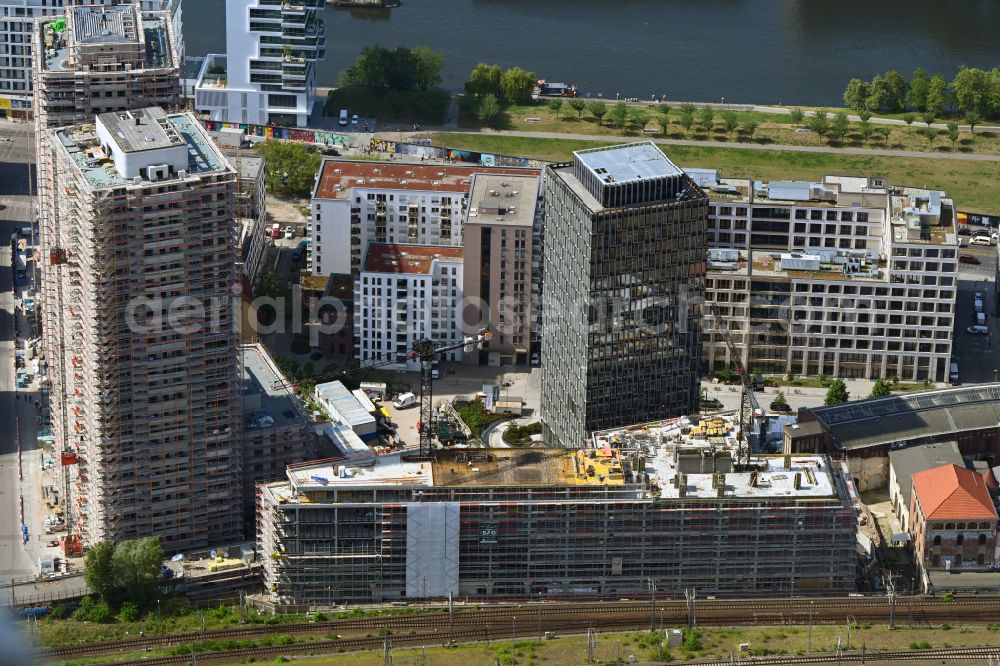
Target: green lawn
973, 185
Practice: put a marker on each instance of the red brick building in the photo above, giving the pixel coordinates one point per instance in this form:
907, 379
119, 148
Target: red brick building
953, 522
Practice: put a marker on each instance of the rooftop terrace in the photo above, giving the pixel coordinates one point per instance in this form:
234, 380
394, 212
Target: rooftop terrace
266, 401
81, 142
65, 38
338, 177
407, 259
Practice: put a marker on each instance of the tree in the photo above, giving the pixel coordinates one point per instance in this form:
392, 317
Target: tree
136, 565
291, 168
880, 389
972, 118
749, 127
856, 94
796, 114
930, 133
884, 133
489, 109
598, 110
897, 87
878, 94
866, 130
663, 117
484, 80
819, 122
780, 404
917, 96
837, 393
578, 105
556, 105
516, 85
97, 570
864, 115
268, 286
928, 117
730, 121
706, 118
619, 115
641, 118
398, 69
685, 116
953, 134
908, 118
937, 94
429, 65
972, 90
839, 126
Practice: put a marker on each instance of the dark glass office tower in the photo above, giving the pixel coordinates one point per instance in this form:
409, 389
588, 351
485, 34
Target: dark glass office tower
625, 259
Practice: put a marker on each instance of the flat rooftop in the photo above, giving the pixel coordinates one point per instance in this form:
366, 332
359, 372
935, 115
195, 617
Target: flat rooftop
407, 259
266, 401
628, 162
248, 167
471, 468
769, 480
141, 129
338, 177
503, 199
80, 141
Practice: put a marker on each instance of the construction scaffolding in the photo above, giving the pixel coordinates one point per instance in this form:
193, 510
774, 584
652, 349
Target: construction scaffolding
345, 534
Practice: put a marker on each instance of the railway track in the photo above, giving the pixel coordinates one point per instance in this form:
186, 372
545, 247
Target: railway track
945, 655
561, 617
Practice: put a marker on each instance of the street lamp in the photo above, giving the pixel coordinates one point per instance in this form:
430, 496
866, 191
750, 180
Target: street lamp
513, 633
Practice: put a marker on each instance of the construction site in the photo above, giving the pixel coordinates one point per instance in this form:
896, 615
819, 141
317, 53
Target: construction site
669, 507
146, 398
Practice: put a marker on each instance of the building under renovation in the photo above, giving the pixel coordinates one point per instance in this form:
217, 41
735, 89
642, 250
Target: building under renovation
605, 521
146, 376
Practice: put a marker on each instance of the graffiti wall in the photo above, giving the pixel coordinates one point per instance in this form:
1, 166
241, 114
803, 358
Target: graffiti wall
320, 137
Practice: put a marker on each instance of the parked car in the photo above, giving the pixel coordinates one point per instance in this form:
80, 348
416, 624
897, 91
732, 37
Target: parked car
289, 232
982, 240
275, 230
978, 329
330, 152
536, 360
964, 231
968, 259
300, 250
354, 119
435, 374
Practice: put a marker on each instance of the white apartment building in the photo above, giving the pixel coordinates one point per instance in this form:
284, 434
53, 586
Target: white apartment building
847, 277
270, 63
357, 203
403, 295
16, 23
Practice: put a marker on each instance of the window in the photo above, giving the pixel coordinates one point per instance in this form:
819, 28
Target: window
937, 540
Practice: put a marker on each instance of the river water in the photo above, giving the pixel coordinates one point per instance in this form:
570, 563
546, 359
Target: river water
755, 51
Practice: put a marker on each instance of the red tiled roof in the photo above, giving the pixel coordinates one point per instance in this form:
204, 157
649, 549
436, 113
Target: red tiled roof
401, 176
415, 259
951, 492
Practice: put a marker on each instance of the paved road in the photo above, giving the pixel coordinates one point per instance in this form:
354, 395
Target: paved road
15, 560
883, 152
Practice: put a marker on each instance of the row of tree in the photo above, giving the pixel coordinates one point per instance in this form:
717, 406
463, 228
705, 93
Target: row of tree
973, 92
401, 68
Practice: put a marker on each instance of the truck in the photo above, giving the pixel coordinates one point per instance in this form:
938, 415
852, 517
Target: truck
404, 400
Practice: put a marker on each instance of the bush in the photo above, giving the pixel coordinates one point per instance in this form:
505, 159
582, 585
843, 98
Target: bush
516, 434
129, 612
476, 417
661, 654
92, 611
59, 612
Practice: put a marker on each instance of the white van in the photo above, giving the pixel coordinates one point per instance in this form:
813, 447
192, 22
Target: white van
343, 117
981, 240
404, 400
